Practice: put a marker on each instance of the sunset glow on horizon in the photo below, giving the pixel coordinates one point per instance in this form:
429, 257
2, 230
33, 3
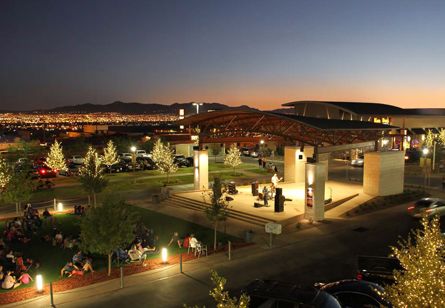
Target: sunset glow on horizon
258, 53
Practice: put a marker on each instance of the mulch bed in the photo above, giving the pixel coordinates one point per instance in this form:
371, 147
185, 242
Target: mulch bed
99, 276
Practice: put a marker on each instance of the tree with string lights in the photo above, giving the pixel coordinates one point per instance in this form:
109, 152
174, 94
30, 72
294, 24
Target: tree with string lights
91, 174
164, 158
110, 155
233, 157
55, 159
5, 173
421, 282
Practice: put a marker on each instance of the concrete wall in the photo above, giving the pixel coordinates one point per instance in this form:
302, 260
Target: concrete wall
383, 173
294, 163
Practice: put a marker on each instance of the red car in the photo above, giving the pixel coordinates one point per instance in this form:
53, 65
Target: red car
46, 172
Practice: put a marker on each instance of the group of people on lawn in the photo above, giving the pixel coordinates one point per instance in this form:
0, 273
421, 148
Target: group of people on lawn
77, 266
14, 267
189, 241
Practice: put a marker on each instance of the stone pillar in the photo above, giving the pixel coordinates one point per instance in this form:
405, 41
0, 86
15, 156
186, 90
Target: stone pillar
314, 191
294, 163
201, 169
383, 173
324, 160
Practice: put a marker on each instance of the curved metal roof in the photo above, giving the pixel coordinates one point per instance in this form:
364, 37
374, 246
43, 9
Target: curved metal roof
292, 128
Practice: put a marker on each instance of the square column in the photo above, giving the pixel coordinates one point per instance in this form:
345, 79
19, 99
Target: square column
324, 159
294, 163
383, 173
314, 191
201, 169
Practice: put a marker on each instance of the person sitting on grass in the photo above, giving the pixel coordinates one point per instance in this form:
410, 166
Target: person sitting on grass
46, 214
88, 265
134, 254
58, 238
193, 241
25, 278
175, 239
9, 282
68, 269
78, 259
2, 275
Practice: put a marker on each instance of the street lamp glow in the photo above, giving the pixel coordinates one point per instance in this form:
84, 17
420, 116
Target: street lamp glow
197, 106
133, 148
39, 283
261, 141
60, 207
425, 151
164, 255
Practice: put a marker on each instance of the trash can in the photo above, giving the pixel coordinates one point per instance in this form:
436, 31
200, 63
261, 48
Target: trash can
255, 188
248, 236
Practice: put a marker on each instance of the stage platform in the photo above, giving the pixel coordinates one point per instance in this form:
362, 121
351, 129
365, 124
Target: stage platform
244, 201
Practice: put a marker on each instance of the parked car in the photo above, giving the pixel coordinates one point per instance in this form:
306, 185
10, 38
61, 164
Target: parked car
146, 163
181, 161
125, 156
377, 269
46, 172
356, 293
191, 161
271, 293
142, 153
359, 162
22, 161
427, 206
254, 154
245, 151
76, 159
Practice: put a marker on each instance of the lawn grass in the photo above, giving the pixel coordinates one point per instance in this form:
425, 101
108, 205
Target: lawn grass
52, 259
130, 183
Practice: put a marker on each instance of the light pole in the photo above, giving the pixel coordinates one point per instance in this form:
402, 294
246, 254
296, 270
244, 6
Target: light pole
133, 157
197, 106
426, 167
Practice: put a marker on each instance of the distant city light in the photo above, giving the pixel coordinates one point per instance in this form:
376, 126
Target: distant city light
425, 151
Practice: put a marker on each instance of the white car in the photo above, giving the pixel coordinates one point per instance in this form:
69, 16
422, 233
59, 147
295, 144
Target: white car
254, 154
77, 160
142, 153
427, 206
125, 156
359, 162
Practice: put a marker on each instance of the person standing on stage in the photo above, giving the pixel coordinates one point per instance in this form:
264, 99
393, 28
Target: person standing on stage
266, 196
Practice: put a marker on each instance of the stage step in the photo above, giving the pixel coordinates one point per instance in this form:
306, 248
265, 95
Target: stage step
184, 202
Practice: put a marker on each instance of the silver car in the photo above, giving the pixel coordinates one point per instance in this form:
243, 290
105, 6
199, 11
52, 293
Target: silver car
428, 207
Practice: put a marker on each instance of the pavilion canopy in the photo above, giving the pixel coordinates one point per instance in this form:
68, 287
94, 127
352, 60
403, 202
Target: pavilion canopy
291, 128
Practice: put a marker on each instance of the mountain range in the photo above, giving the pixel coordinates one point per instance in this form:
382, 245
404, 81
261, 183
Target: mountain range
139, 108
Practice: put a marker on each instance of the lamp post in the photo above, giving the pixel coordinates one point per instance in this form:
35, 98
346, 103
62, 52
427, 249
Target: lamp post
133, 157
197, 106
426, 167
